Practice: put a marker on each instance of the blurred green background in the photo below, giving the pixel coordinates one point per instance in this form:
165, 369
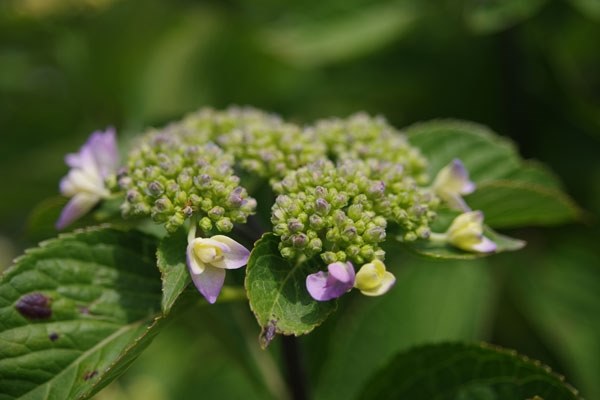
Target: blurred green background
530, 70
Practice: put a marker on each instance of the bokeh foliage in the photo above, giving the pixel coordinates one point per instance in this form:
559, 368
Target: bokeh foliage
529, 72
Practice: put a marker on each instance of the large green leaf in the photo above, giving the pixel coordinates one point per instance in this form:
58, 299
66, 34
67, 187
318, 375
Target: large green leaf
465, 371
510, 191
171, 261
486, 155
508, 203
558, 290
277, 292
431, 302
75, 312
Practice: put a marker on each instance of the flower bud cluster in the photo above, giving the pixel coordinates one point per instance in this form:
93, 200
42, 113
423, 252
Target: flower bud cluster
261, 143
171, 180
341, 212
361, 136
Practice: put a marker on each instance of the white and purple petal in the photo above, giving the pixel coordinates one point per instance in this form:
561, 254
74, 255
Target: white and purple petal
79, 205
209, 283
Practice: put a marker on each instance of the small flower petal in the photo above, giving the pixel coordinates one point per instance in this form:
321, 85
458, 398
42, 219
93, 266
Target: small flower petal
236, 255
96, 159
373, 279
207, 260
451, 182
209, 282
466, 233
339, 279
79, 205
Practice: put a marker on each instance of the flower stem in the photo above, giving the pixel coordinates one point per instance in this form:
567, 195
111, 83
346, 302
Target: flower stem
296, 372
438, 237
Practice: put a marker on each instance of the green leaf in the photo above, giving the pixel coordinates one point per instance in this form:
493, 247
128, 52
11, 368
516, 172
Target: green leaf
508, 204
465, 371
558, 290
536, 173
431, 302
511, 192
496, 15
486, 155
342, 36
75, 312
277, 292
171, 258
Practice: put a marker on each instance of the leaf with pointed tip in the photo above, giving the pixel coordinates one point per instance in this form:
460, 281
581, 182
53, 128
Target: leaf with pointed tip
466, 371
509, 203
75, 312
171, 258
511, 192
277, 292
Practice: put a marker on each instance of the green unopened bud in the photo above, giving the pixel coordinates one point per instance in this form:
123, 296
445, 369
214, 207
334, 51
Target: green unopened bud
205, 224
224, 225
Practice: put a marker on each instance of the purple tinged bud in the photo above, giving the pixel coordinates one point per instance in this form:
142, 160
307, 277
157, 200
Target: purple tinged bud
224, 225
316, 222
295, 225
300, 240
216, 212
163, 204
375, 234
155, 189
324, 286
188, 211
132, 196
322, 206
377, 189
320, 191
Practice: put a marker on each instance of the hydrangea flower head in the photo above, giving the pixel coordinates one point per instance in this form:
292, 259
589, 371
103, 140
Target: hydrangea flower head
451, 183
324, 286
172, 181
85, 183
466, 233
373, 279
207, 260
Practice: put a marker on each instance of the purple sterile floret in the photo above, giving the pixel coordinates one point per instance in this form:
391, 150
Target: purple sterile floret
85, 183
324, 286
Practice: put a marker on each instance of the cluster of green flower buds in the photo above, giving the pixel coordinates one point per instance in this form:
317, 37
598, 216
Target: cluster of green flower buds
363, 137
262, 144
341, 211
172, 180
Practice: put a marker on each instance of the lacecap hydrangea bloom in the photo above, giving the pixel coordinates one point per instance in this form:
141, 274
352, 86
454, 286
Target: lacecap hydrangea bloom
340, 186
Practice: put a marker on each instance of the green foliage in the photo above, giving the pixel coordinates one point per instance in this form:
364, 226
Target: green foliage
510, 191
561, 299
277, 292
461, 371
496, 15
75, 312
431, 302
172, 266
